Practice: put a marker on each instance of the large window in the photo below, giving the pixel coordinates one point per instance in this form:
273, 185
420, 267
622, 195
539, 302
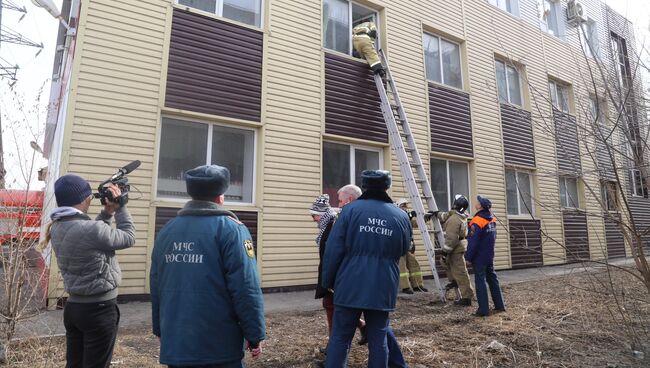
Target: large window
343, 164
448, 178
609, 197
339, 17
519, 189
442, 59
569, 192
559, 95
511, 6
185, 145
621, 62
509, 83
245, 11
549, 16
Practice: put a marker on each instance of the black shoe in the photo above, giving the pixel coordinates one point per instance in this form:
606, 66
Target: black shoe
420, 289
477, 314
465, 302
451, 285
364, 336
407, 291
500, 310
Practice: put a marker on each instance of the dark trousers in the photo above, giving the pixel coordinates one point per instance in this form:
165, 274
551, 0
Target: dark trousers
383, 349
90, 331
237, 364
482, 274
328, 305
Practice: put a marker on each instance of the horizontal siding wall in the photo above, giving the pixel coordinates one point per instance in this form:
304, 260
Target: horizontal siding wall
248, 218
215, 67
518, 142
116, 112
640, 208
576, 238
614, 237
352, 104
451, 121
566, 136
525, 243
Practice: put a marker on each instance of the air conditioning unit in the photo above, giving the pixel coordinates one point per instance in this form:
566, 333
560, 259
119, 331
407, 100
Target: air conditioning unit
575, 13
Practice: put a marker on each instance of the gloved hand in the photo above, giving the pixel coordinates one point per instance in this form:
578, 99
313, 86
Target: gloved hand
411, 214
255, 349
443, 258
430, 214
372, 34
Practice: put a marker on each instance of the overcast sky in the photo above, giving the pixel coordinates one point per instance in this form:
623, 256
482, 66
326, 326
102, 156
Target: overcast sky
40, 27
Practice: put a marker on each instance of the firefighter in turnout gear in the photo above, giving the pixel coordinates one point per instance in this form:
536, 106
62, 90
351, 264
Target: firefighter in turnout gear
454, 225
410, 274
363, 39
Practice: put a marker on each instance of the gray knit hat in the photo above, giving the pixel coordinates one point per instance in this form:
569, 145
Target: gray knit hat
321, 205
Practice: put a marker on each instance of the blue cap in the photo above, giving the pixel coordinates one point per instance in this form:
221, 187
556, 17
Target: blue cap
71, 190
484, 202
375, 179
207, 182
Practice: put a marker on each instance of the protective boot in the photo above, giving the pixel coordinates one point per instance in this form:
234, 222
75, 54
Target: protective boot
453, 284
465, 302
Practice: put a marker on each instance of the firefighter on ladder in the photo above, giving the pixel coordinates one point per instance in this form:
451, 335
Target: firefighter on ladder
410, 274
454, 225
363, 40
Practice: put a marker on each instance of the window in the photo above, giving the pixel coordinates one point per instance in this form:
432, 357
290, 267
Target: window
511, 6
448, 178
621, 62
519, 189
339, 17
245, 11
559, 95
508, 83
549, 11
588, 34
569, 192
442, 60
639, 187
343, 164
609, 197
185, 145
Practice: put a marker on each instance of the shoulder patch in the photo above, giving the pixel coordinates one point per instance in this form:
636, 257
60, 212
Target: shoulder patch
250, 250
235, 220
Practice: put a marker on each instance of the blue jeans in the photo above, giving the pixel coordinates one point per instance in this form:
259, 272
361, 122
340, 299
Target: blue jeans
483, 273
383, 348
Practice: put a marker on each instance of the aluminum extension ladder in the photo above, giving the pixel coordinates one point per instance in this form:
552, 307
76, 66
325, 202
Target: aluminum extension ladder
417, 186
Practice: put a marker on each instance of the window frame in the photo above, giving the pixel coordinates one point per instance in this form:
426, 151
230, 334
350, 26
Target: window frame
208, 157
442, 68
556, 7
514, 5
588, 34
606, 191
621, 60
219, 12
568, 206
353, 148
516, 68
351, 26
520, 199
556, 88
450, 195
634, 181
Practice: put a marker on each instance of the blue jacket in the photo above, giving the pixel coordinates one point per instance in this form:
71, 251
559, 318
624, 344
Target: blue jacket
205, 291
362, 254
481, 239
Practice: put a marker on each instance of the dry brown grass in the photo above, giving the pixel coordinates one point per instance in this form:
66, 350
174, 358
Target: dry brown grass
560, 322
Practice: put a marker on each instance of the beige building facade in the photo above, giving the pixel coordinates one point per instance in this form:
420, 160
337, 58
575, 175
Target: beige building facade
272, 90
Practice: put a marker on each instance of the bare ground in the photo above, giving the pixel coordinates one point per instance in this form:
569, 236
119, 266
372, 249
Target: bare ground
570, 321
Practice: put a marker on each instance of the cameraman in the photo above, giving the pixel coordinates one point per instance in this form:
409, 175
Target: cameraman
85, 251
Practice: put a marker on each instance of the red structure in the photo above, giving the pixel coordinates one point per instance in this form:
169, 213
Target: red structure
20, 215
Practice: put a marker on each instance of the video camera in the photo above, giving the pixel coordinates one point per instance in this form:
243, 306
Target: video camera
122, 182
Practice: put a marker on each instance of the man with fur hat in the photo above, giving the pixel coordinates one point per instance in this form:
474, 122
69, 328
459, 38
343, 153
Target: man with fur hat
410, 274
85, 252
205, 292
480, 253
454, 225
361, 265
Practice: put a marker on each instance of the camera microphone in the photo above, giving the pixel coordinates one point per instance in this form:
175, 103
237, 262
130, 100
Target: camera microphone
130, 167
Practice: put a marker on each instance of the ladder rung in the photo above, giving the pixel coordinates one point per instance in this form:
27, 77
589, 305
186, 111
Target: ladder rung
421, 180
405, 135
393, 106
425, 197
414, 164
